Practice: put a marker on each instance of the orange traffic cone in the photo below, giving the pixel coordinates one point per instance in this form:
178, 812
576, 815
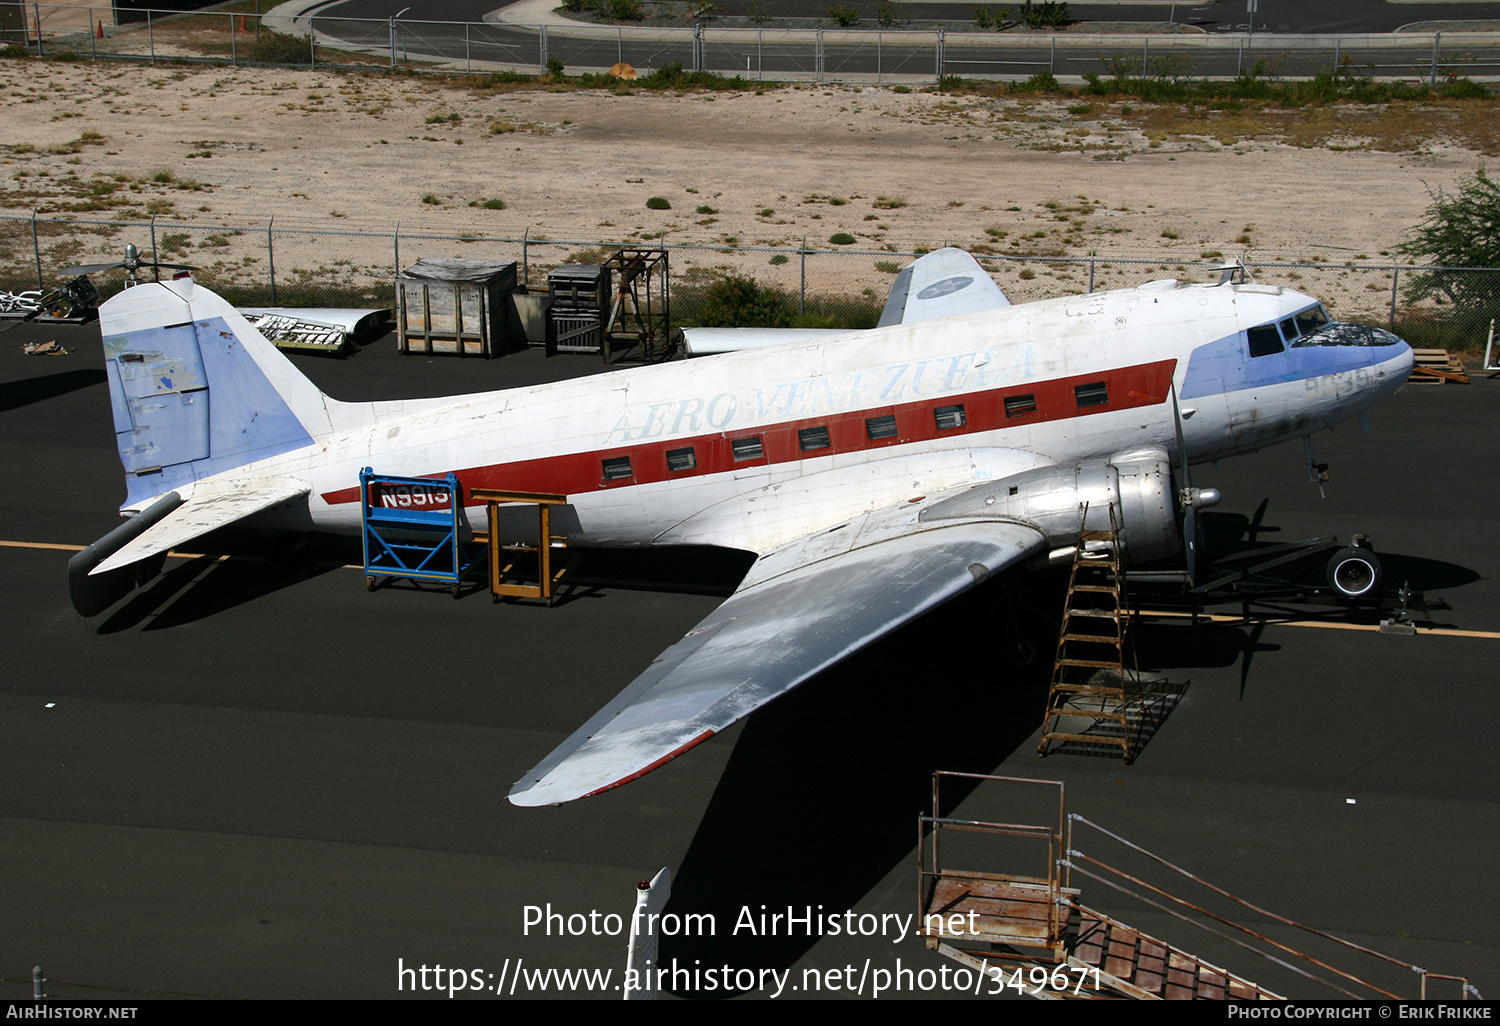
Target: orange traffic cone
100, 34
242, 23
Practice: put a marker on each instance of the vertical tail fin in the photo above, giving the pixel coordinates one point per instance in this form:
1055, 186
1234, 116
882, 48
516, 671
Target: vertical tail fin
196, 390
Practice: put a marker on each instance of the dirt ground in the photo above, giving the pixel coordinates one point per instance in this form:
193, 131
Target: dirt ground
231, 147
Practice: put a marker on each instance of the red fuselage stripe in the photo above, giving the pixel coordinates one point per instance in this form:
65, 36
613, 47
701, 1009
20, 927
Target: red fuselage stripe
574, 473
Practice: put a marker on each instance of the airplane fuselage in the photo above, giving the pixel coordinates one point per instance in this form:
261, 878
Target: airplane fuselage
680, 453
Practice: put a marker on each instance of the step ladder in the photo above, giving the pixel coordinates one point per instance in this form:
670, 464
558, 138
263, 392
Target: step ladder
1089, 703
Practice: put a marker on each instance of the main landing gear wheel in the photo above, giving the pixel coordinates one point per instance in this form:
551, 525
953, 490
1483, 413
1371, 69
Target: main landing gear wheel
1354, 573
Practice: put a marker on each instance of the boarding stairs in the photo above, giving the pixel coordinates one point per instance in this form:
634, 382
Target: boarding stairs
1033, 936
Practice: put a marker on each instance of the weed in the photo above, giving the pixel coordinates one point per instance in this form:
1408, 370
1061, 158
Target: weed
658, 203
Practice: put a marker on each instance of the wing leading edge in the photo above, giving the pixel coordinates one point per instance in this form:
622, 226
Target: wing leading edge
801, 609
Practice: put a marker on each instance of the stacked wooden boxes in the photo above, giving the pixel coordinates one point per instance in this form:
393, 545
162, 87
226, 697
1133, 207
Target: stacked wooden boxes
580, 302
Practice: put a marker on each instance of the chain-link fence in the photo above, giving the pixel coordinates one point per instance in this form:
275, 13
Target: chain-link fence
239, 33
264, 263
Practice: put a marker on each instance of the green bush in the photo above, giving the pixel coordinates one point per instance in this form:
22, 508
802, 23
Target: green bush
841, 239
736, 302
279, 48
844, 15
658, 203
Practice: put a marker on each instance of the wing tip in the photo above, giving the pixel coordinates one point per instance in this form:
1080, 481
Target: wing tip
548, 795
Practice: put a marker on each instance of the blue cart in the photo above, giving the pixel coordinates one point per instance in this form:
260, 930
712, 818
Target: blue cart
413, 528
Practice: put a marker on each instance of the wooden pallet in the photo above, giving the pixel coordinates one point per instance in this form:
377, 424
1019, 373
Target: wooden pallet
1437, 367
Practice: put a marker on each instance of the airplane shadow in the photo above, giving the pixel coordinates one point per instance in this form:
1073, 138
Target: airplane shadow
236, 568
16, 394
844, 763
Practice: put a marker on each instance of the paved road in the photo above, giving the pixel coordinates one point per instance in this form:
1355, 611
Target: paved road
772, 53
255, 779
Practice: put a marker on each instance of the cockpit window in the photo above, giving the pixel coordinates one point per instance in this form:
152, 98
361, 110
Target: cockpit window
1265, 340
1338, 333
1314, 318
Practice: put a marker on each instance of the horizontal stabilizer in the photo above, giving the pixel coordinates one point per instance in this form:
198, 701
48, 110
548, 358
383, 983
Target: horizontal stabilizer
942, 283
207, 508
801, 609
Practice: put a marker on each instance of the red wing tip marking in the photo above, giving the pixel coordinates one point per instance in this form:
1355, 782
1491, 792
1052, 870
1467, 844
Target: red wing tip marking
658, 763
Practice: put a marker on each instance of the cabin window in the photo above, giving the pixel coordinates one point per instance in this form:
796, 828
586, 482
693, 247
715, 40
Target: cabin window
877, 428
949, 417
1289, 330
681, 459
1019, 405
747, 448
617, 468
813, 437
1095, 393
1265, 340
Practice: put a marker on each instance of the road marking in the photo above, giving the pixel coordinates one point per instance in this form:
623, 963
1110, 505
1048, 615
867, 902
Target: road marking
1448, 632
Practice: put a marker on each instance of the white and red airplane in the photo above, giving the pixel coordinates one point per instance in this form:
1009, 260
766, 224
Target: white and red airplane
875, 474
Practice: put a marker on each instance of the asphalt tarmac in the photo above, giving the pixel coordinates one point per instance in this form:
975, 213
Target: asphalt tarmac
253, 779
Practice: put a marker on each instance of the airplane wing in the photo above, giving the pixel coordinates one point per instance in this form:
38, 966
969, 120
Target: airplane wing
942, 283
206, 508
802, 608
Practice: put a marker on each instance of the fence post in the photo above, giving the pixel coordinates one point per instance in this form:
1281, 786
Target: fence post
877, 59
396, 246
619, 45
312, 44
1395, 277
155, 256
271, 257
150, 36
802, 289
468, 65
697, 47
1091, 270
1052, 58
393, 43
939, 49
94, 40
36, 248
542, 43
36, 14
234, 57
525, 263
1437, 39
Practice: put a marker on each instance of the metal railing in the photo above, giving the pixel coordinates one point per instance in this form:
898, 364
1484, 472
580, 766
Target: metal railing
230, 34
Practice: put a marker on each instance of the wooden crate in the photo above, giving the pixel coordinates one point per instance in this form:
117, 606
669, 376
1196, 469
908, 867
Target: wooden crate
454, 306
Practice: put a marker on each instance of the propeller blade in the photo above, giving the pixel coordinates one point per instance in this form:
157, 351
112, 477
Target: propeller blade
73, 272
1185, 496
1192, 540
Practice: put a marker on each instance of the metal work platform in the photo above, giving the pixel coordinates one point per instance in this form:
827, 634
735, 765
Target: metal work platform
1034, 934
413, 528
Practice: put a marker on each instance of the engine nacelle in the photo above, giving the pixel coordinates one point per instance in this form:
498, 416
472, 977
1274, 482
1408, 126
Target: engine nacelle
1052, 499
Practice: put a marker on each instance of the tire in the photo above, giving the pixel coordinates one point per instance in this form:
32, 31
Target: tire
1354, 573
